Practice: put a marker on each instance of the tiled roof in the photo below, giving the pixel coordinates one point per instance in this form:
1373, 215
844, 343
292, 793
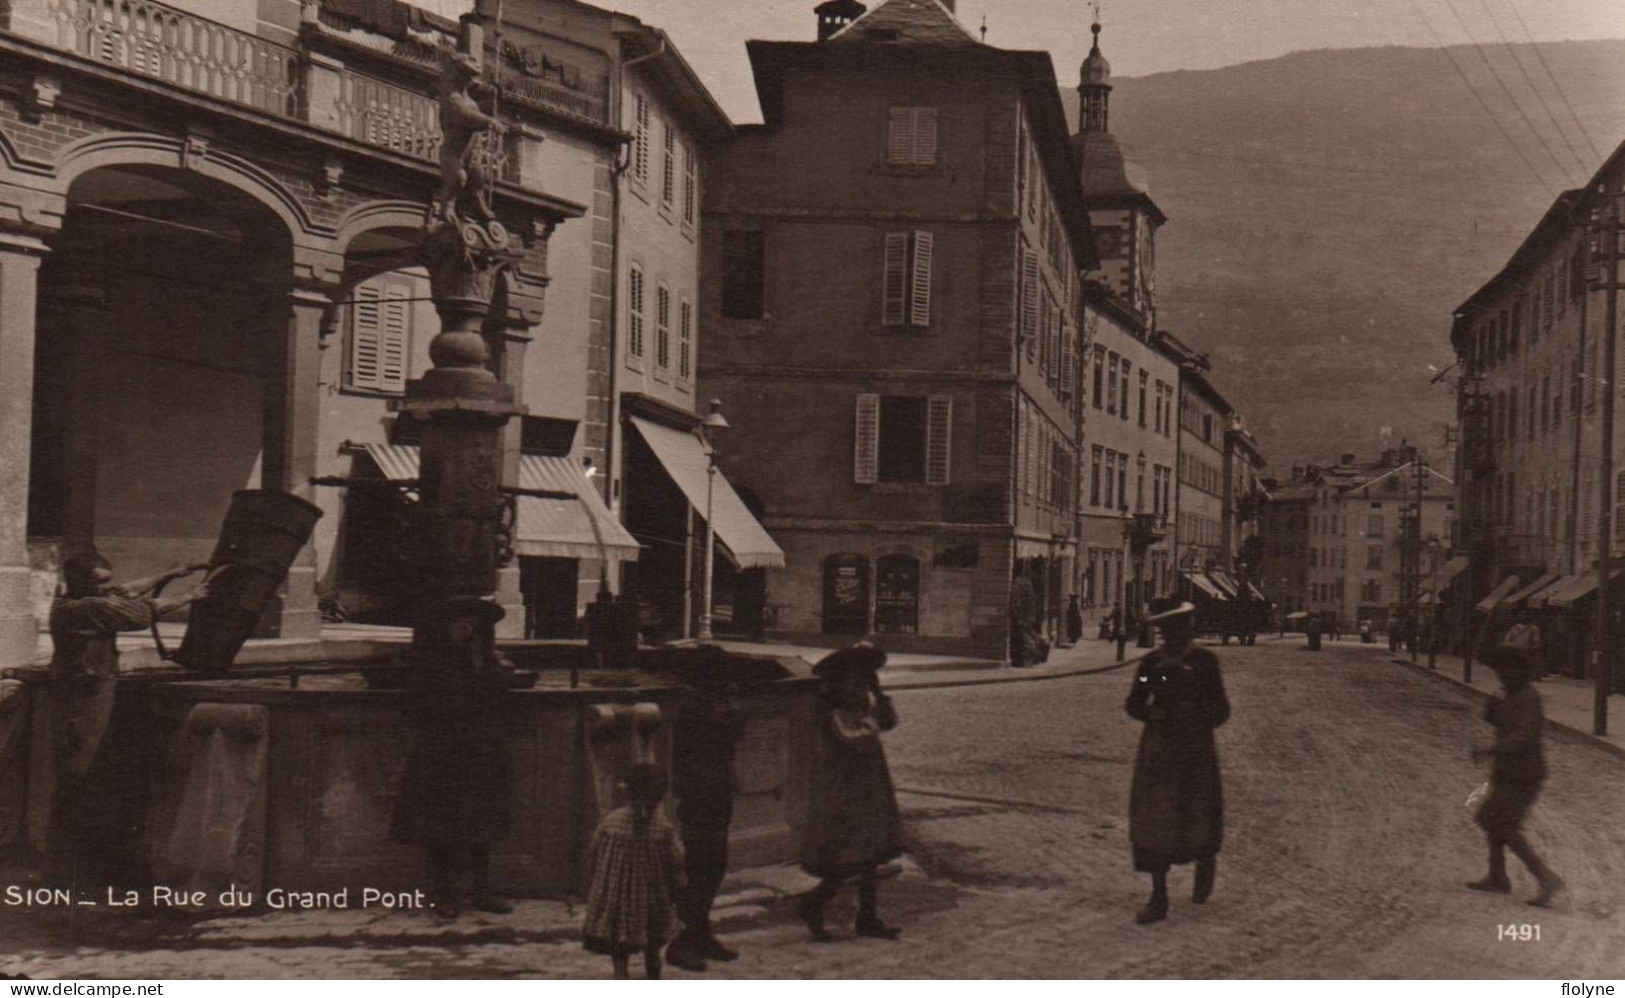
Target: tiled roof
909, 22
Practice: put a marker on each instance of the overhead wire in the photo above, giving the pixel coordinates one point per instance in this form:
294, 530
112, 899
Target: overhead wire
1550, 116
1416, 6
1553, 77
1500, 82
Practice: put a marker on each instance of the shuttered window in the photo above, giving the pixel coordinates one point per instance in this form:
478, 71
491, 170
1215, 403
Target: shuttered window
668, 168
1029, 301
1069, 360
906, 268
634, 314
691, 190
938, 438
866, 443
911, 136
1024, 482
640, 139
685, 342
380, 335
903, 438
663, 328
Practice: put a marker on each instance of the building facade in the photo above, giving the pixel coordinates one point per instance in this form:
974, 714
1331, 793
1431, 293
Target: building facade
1531, 345
1131, 372
893, 302
1365, 555
1204, 416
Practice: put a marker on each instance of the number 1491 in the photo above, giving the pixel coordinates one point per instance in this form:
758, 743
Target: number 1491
1518, 933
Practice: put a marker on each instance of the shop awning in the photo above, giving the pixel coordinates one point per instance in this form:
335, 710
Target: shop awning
1226, 582
1448, 571
1498, 594
1205, 585
1579, 589
1257, 593
683, 457
1534, 587
547, 528
1542, 598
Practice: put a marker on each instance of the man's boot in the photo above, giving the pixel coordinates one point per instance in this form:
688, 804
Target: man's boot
1156, 909
1495, 882
869, 923
684, 951
1206, 869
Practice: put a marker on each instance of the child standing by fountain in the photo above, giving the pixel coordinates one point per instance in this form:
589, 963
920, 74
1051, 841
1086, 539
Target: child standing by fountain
634, 871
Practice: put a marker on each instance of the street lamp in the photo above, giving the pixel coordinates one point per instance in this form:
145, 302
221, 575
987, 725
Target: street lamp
708, 431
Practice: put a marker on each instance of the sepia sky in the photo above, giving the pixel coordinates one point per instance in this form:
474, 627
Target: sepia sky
1141, 36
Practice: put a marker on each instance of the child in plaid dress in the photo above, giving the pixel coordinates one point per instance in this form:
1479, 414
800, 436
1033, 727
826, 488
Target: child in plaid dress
634, 869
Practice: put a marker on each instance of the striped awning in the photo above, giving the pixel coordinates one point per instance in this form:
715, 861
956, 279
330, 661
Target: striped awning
1534, 587
1579, 589
1205, 585
1448, 571
548, 528
1498, 594
1226, 582
745, 542
1542, 598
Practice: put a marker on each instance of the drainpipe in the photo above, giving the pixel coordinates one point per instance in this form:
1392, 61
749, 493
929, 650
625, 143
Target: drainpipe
623, 163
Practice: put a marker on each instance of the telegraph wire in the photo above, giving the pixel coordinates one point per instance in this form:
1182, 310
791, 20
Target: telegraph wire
1496, 73
1558, 86
1507, 44
1334, 188
1416, 6
1453, 179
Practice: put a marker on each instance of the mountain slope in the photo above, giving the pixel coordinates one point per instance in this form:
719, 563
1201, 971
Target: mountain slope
1329, 209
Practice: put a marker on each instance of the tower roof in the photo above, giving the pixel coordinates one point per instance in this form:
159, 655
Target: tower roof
918, 22
1109, 173
1095, 71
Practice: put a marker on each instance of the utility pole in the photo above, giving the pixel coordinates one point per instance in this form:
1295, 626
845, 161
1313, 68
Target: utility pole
1413, 547
1608, 385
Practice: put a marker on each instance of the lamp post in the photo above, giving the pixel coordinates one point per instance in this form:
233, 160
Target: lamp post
707, 431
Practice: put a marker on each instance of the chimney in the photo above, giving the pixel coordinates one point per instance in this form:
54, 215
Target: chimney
833, 15
1297, 472
1347, 459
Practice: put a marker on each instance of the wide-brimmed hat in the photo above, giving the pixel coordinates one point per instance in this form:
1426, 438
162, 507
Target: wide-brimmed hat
1516, 650
862, 656
1167, 608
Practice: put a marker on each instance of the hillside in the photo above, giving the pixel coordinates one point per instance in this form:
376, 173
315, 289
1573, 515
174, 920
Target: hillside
1328, 210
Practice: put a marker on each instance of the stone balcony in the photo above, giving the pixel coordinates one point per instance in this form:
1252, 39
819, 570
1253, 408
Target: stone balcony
340, 77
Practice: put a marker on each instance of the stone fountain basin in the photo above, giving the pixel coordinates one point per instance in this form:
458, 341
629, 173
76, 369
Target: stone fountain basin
254, 782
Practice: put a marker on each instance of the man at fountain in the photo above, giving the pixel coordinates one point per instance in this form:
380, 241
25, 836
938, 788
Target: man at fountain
707, 725
85, 624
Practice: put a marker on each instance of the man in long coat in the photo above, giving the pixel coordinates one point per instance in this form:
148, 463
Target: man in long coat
85, 624
1176, 800
454, 795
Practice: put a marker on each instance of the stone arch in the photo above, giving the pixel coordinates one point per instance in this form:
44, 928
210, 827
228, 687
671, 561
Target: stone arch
111, 149
377, 215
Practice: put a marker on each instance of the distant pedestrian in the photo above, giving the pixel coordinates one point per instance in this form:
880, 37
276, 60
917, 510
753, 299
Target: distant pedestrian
85, 625
1311, 630
707, 725
1111, 622
1335, 626
1074, 619
634, 874
1023, 616
1176, 799
454, 799
1517, 769
853, 823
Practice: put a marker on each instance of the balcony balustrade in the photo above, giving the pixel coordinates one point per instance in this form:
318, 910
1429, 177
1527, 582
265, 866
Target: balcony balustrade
151, 40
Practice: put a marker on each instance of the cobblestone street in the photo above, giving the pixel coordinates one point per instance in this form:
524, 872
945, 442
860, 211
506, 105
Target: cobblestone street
1346, 849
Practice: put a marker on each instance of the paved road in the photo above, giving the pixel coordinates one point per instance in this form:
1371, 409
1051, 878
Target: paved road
1346, 849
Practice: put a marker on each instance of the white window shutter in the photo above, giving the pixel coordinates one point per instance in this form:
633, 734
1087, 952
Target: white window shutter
894, 280
866, 441
919, 295
366, 336
925, 136
1069, 360
1029, 301
396, 339
1023, 485
900, 136
939, 438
